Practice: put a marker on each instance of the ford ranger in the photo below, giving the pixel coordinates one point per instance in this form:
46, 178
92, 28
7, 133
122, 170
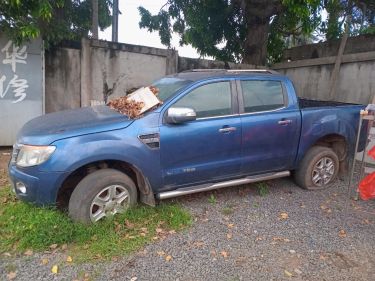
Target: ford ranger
215, 128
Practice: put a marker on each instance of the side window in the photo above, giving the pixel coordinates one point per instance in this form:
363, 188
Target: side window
262, 95
209, 100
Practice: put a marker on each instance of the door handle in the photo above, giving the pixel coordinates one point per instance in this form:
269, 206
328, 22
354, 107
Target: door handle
227, 129
284, 122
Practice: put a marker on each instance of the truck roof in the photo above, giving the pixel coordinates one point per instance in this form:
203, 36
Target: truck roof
198, 74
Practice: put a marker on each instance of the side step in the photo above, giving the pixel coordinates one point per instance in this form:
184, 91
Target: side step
196, 189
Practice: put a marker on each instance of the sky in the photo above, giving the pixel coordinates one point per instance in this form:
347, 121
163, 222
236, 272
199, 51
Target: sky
129, 31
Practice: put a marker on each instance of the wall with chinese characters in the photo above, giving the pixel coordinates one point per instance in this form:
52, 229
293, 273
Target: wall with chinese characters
21, 86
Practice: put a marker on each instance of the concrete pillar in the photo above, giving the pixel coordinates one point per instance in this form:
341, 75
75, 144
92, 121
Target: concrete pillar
86, 78
171, 62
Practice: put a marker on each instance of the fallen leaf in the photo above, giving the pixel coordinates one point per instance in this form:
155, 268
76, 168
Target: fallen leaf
323, 207
322, 257
142, 234
134, 278
198, 244
28, 253
11, 275
64, 247
53, 246
302, 205
258, 238
342, 233
69, 259
44, 261
230, 225
280, 239
172, 231
229, 235
287, 273
168, 258
144, 229
161, 253
283, 216
159, 230
213, 253
366, 221
129, 225
55, 269
155, 238
224, 254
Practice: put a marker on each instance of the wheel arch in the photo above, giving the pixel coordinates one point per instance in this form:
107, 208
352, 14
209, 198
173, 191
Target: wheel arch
70, 182
338, 143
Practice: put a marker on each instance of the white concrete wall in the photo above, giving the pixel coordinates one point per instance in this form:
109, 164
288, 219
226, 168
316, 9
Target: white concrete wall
355, 84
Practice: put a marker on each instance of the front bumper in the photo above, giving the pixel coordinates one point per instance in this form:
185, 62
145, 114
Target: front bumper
41, 187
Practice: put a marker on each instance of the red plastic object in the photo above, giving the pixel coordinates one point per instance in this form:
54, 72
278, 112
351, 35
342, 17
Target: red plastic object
367, 187
372, 152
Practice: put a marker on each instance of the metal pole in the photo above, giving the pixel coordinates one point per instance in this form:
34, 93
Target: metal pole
355, 152
95, 19
115, 13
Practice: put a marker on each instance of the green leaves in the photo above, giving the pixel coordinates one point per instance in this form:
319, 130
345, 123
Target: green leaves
230, 30
54, 20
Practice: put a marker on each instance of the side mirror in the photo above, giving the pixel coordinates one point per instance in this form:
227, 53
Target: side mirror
177, 115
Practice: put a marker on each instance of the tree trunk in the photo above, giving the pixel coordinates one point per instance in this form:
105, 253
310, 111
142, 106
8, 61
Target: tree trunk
255, 45
257, 15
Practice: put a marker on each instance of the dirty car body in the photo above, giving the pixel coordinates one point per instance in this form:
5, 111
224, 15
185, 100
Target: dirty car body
248, 126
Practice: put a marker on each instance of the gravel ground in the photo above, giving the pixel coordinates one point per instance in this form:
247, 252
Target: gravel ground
289, 233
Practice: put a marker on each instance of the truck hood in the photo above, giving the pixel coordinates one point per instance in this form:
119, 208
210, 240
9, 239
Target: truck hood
51, 127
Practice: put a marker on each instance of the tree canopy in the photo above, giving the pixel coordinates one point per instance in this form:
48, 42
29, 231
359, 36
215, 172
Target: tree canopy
53, 20
253, 31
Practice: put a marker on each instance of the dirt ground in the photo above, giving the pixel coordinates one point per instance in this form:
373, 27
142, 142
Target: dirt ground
5, 154
285, 234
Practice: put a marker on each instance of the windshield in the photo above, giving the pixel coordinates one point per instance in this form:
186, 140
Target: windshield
168, 86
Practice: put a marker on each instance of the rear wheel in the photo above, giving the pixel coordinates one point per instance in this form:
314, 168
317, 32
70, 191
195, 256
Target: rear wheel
318, 169
102, 194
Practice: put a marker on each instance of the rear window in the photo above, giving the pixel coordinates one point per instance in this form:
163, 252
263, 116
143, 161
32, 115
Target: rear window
262, 95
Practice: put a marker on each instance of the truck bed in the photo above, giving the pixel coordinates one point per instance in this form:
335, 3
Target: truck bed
306, 103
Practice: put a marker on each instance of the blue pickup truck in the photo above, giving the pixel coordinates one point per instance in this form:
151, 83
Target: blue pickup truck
215, 128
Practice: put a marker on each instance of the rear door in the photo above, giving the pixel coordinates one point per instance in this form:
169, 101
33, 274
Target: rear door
270, 126
209, 148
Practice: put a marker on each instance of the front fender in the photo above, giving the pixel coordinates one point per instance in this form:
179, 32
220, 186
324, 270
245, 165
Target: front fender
73, 153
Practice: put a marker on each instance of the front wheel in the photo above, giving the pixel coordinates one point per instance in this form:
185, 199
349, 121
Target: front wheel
318, 169
102, 194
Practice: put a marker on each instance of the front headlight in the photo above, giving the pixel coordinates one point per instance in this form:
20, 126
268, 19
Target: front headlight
31, 155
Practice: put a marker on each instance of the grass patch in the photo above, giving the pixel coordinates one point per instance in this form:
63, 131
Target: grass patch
24, 226
262, 189
227, 210
212, 199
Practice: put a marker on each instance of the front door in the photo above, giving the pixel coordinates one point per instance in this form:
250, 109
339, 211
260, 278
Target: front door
207, 149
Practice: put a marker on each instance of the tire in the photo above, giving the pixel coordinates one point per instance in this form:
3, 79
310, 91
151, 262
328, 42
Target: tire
113, 191
315, 171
